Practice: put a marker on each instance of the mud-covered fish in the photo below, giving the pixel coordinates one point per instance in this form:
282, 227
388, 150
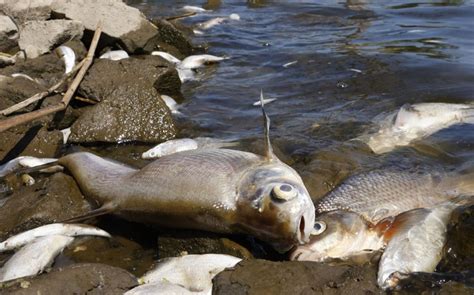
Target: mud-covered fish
416, 121
383, 193
218, 190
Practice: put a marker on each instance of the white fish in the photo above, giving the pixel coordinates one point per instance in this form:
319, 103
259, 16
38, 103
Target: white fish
265, 101
15, 75
197, 61
34, 258
167, 56
185, 144
290, 63
417, 244
355, 70
414, 122
66, 133
171, 104
64, 229
27, 161
193, 272
234, 16
68, 56
190, 8
211, 23
115, 55
164, 288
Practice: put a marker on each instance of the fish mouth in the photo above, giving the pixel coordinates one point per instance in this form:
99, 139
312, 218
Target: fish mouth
301, 235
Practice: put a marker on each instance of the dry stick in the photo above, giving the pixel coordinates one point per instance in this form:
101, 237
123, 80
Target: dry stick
25, 118
41, 95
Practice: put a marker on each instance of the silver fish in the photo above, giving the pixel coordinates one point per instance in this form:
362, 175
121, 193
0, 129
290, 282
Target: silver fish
383, 193
412, 122
217, 190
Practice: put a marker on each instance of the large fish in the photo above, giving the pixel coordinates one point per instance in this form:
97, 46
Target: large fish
383, 193
416, 121
218, 190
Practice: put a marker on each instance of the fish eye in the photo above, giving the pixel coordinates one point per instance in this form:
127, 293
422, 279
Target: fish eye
284, 192
319, 228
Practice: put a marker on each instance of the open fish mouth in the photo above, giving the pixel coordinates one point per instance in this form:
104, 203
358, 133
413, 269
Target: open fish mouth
301, 235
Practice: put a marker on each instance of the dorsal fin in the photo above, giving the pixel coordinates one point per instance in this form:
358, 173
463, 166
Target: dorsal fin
266, 127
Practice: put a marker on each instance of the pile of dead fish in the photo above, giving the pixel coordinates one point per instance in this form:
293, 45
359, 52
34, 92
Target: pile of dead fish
201, 183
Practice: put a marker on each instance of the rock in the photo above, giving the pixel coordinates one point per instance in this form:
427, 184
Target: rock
30, 140
119, 21
169, 39
8, 34
172, 244
39, 37
84, 278
15, 90
295, 277
130, 113
25, 10
49, 200
149, 71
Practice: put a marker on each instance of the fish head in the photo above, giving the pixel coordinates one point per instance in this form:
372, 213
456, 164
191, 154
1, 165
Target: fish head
337, 235
274, 205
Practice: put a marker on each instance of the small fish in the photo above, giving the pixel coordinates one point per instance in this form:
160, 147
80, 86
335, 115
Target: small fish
27, 161
115, 55
68, 56
413, 122
382, 193
193, 272
164, 287
265, 101
290, 63
211, 23
184, 144
167, 56
15, 75
190, 8
66, 133
63, 229
171, 104
33, 258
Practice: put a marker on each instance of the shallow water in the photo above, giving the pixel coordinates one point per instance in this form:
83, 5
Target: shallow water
354, 60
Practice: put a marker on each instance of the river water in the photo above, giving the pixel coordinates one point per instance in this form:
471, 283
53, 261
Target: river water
350, 61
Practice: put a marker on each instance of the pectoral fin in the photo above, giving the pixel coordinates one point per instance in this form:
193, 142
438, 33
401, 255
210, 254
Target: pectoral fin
105, 209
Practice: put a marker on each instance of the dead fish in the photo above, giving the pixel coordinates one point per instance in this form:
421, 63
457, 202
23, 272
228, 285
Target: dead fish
217, 21
290, 63
416, 241
219, 190
190, 8
26, 161
66, 133
68, 56
165, 288
63, 229
184, 144
171, 104
341, 235
266, 101
193, 272
382, 193
33, 258
167, 56
115, 55
413, 122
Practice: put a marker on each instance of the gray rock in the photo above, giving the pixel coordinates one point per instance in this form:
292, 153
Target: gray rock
169, 39
149, 71
25, 10
130, 113
8, 34
119, 21
83, 278
39, 37
295, 277
14, 90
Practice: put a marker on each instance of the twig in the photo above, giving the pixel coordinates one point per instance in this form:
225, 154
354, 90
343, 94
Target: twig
41, 95
25, 118
85, 99
181, 16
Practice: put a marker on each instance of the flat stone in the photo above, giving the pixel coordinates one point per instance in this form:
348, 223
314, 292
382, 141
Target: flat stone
83, 278
8, 34
130, 113
119, 21
25, 10
39, 37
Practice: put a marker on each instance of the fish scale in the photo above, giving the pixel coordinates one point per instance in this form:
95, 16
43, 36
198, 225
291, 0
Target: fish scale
383, 193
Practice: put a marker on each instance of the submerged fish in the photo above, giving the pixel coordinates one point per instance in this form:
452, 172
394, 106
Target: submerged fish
412, 122
218, 190
378, 194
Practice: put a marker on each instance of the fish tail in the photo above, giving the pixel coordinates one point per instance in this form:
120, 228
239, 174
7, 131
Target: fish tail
468, 115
